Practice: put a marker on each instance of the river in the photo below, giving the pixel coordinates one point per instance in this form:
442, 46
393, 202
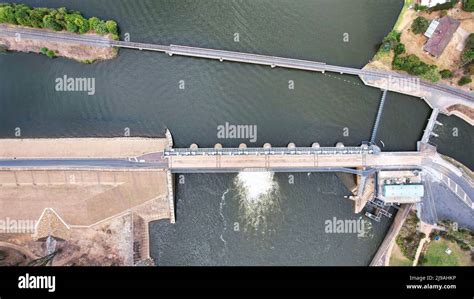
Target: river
218, 222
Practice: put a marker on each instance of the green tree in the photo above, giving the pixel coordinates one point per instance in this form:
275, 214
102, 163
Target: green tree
36, 17
399, 49
97, 25
112, 27
445, 74
7, 15
464, 80
22, 15
50, 54
50, 22
420, 25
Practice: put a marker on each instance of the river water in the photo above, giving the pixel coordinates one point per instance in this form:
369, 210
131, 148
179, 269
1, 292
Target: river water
218, 221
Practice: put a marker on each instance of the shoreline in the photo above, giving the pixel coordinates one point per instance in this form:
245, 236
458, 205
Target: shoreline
448, 105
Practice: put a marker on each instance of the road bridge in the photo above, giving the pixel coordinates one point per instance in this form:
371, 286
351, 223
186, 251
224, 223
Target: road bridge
221, 55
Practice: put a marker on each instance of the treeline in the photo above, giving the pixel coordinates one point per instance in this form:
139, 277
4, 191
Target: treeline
55, 19
411, 64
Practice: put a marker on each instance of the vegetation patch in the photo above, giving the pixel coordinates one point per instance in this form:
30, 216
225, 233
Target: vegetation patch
462, 236
47, 52
420, 25
445, 253
55, 19
446, 74
464, 80
409, 237
414, 66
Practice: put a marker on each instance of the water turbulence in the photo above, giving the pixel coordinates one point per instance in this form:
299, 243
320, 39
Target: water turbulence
258, 199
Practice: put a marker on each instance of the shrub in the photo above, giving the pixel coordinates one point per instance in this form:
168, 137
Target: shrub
467, 55
112, 27
446, 74
408, 238
50, 54
399, 49
464, 80
420, 25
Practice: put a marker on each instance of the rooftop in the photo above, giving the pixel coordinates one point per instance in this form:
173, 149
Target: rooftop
441, 36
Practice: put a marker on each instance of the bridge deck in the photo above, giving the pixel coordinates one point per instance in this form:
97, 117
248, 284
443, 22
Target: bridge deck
430, 127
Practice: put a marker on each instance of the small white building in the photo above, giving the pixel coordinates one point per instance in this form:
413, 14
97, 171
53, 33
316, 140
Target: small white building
431, 3
431, 29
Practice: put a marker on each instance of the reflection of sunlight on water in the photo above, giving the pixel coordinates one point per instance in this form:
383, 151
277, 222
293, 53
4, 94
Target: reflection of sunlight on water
258, 198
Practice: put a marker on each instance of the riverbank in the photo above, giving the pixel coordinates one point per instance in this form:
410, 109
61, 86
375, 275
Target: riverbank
79, 52
40, 20
402, 41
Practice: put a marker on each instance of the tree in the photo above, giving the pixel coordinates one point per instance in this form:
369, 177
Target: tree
464, 80
97, 25
445, 74
420, 25
55, 19
111, 27
50, 54
22, 15
50, 22
36, 17
7, 15
399, 49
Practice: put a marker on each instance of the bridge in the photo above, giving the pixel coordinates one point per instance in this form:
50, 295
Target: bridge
378, 117
221, 55
430, 127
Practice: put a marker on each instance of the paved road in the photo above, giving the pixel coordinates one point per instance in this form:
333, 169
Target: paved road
219, 55
79, 163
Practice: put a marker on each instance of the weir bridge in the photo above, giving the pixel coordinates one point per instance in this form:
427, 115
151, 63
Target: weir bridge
222, 55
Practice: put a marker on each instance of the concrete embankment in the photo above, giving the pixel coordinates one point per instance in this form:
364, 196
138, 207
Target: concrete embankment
86, 200
80, 147
447, 102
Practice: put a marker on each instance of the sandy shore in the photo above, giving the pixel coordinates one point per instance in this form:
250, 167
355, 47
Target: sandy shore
120, 147
74, 51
